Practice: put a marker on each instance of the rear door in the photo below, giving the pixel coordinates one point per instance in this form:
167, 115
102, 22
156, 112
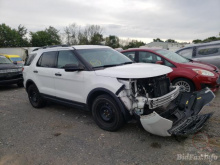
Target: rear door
209, 54
68, 85
43, 73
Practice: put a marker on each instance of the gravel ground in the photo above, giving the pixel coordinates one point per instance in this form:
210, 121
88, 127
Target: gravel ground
60, 135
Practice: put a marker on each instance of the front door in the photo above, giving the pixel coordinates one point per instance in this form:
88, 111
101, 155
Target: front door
68, 85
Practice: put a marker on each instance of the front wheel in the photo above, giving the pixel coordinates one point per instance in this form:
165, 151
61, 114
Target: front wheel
185, 85
107, 114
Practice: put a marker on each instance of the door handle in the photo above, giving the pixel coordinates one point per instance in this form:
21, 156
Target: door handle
35, 71
58, 74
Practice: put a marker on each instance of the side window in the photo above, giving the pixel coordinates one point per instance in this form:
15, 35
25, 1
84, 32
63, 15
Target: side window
186, 53
130, 55
167, 63
47, 59
147, 57
66, 57
208, 50
30, 59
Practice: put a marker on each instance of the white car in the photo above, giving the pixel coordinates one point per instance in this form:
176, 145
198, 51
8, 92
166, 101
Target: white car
116, 90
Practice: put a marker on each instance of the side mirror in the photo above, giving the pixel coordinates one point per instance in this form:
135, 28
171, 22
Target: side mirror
73, 67
15, 62
160, 62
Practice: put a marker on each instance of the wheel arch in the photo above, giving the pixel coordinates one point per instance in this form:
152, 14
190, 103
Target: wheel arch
176, 78
28, 83
100, 91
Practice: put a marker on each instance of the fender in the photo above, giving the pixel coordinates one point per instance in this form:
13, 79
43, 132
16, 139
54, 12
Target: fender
98, 91
29, 81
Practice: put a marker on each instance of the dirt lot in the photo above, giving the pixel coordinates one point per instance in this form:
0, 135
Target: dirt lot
61, 135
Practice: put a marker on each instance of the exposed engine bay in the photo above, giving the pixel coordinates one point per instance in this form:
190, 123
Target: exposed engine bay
143, 97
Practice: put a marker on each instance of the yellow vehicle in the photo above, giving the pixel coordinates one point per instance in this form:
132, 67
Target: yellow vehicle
16, 59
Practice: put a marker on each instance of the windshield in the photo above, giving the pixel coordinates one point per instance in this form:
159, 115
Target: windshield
16, 59
104, 57
172, 56
4, 60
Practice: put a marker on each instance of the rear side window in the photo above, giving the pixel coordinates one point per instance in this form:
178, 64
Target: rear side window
147, 57
66, 57
208, 50
130, 55
186, 53
30, 59
48, 60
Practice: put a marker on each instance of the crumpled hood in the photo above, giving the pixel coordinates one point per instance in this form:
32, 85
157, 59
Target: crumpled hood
135, 70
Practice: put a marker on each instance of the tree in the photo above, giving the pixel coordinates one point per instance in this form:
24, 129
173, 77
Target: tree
75, 34
96, 39
71, 33
157, 40
112, 41
22, 31
197, 41
213, 38
11, 37
209, 39
171, 41
49, 36
134, 44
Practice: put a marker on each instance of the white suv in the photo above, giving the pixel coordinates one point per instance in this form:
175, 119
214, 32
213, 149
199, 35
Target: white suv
116, 90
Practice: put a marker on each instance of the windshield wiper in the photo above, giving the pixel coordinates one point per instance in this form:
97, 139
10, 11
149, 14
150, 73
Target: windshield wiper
112, 65
130, 62
104, 66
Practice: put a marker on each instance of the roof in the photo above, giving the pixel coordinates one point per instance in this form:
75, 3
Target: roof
72, 47
150, 49
89, 46
202, 44
10, 55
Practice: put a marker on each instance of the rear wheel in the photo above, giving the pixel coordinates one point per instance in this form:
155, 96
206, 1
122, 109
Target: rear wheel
185, 85
107, 114
35, 98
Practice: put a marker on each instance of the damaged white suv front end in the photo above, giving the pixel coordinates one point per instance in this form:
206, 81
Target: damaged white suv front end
144, 97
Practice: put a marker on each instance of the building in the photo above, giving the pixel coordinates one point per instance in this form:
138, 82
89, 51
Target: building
165, 45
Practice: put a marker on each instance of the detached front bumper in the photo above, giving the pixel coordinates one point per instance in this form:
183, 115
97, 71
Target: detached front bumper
182, 116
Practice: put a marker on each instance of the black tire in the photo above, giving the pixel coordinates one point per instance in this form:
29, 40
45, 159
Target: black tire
20, 84
35, 98
180, 81
107, 113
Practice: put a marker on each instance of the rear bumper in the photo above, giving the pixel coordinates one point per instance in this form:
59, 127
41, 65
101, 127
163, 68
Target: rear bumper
12, 81
181, 117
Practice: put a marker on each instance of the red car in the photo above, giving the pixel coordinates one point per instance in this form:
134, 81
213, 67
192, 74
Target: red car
188, 74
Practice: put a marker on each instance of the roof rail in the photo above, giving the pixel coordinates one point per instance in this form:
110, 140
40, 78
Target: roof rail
50, 46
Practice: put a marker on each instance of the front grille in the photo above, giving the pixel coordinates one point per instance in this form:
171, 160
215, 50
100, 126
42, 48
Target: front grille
159, 101
162, 86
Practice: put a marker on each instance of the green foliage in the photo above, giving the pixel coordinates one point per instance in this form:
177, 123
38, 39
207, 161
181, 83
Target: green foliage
171, 41
157, 40
197, 41
13, 38
134, 44
96, 39
209, 39
112, 41
49, 36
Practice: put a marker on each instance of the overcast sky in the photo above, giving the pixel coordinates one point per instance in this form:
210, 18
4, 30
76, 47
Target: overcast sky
182, 20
